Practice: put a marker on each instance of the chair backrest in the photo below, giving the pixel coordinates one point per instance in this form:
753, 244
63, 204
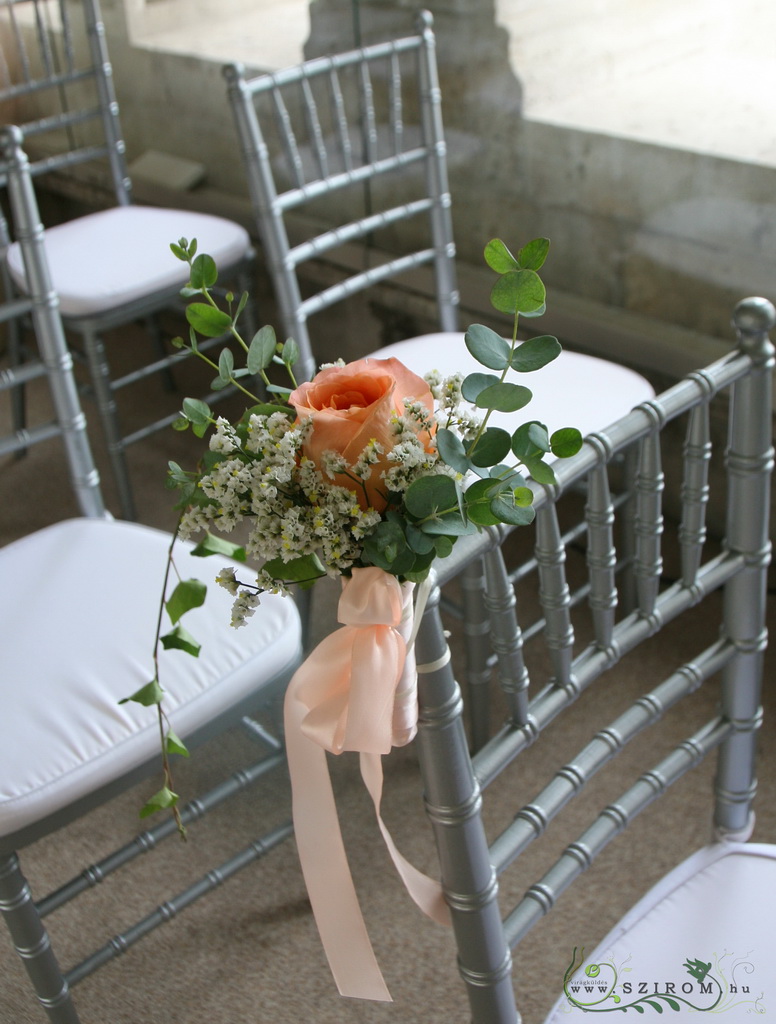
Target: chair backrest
41, 306
355, 141
56, 84
455, 782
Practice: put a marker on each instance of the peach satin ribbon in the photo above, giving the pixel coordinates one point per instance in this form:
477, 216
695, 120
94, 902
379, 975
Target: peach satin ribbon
353, 692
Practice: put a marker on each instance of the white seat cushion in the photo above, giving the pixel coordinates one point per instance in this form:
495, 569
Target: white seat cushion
110, 258
78, 607
702, 937
572, 391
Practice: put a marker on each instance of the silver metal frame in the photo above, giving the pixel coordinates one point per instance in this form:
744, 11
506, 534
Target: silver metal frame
318, 116
65, 74
24, 915
455, 782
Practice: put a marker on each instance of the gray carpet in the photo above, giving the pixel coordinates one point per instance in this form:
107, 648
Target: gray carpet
249, 954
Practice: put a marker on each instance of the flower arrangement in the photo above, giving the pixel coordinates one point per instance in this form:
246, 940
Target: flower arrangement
365, 466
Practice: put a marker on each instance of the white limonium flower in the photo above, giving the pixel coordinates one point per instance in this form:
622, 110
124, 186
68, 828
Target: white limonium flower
246, 604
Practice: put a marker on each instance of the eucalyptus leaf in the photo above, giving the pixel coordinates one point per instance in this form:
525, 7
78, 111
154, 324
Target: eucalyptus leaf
487, 347
241, 304
519, 291
204, 272
452, 451
226, 364
535, 353
537, 432
508, 511
504, 397
478, 498
565, 442
219, 383
276, 389
429, 495
523, 446
290, 352
418, 541
207, 319
474, 383
533, 255
493, 447
540, 471
261, 349
499, 258
443, 545
187, 594
179, 251
451, 525
196, 411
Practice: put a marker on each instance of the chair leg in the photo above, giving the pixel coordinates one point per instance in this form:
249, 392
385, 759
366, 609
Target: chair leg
108, 413
32, 943
476, 631
157, 341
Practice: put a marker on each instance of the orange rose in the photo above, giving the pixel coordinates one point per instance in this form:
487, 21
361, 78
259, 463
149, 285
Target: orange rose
353, 405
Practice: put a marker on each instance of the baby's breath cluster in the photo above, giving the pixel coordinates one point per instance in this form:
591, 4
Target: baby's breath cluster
292, 507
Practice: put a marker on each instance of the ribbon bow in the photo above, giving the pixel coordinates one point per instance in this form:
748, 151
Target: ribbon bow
348, 695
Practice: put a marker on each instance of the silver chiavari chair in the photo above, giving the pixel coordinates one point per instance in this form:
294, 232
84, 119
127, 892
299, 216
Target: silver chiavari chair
79, 601
111, 267
685, 934
343, 152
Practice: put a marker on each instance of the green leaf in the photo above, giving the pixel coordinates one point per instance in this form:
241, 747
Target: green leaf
533, 255
487, 347
452, 451
444, 545
506, 509
540, 471
290, 352
429, 495
523, 496
219, 383
179, 251
475, 383
565, 442
519, 291
188, 594
226, 364
386, 547
523, 446
196, 411
173, 744
276, 389
535, 353
160, 801
537, 432
478, 498
504, 397
179, 639
204, 272
207, 319
451, 525
180, 424
147, 695
261, 349
492, 447
241, 304
418, 541
535, 312
499, 258
219, 546
304, 570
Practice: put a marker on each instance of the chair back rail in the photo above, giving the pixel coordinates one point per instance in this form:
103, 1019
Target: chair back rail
51, 70
55, 360
363, 118
456, 782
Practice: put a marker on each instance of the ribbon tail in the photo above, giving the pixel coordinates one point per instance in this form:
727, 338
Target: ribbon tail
325, 866
425, 892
